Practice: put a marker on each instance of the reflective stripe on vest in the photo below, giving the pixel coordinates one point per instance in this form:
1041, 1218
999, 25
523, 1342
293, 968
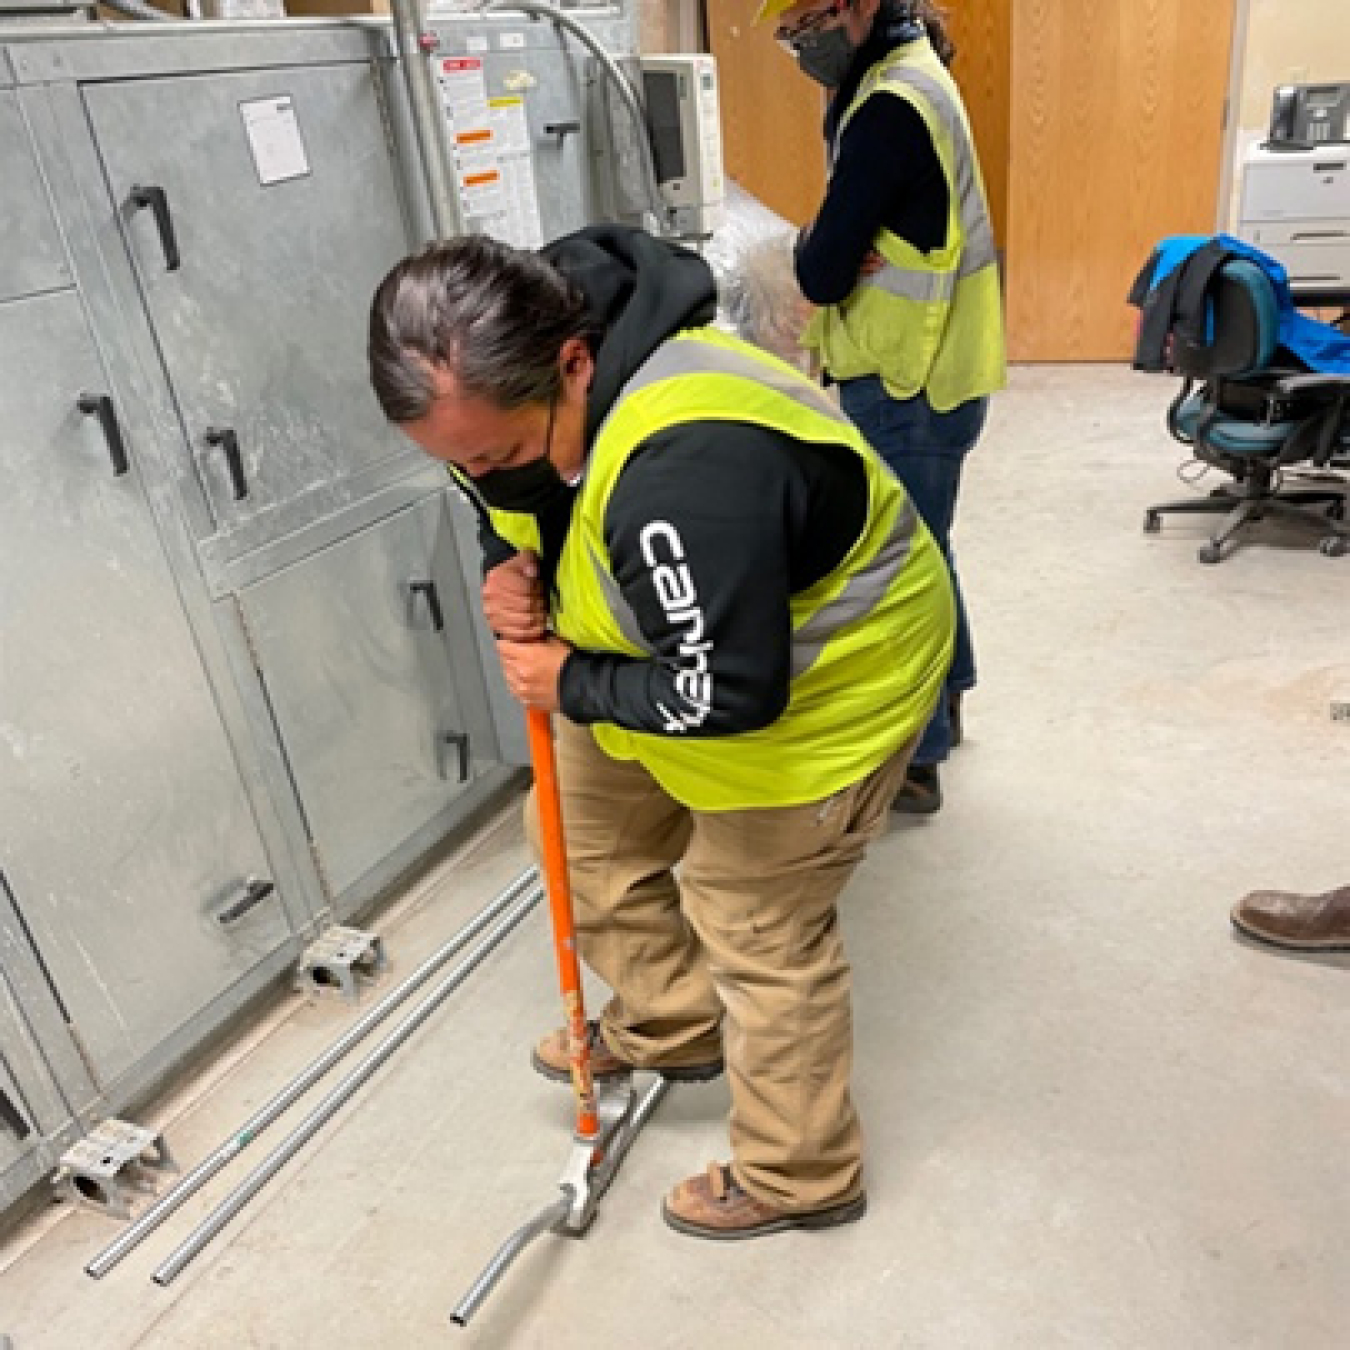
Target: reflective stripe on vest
870, 641
924, 321
977, 235
863, 590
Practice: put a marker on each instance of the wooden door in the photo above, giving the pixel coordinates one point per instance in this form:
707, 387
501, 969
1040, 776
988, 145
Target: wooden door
1116, 135
982, 32
771, 113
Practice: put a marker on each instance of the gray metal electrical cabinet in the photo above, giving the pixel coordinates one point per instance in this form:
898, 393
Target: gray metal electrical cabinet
552, 76
244, 682
43, 1079
384, 729
258, 228
240, 690
128, 834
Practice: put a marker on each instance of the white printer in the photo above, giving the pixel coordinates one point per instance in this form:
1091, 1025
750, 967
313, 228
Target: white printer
1296, 207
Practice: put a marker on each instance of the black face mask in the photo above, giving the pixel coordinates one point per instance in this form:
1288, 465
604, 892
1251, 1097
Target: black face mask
532, 488
826, 57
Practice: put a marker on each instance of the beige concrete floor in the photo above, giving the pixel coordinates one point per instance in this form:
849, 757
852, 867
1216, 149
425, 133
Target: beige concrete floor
1095, 1117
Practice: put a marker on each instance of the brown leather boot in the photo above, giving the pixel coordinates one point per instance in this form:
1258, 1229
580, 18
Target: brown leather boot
1301, 923
550, 1058
713, 1205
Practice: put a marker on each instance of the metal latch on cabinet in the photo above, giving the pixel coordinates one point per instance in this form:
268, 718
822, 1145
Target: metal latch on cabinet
106, 1166
11, 1118
251, 894
341, 958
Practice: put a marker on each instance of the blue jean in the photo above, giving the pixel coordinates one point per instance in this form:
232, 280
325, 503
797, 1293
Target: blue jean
926, 450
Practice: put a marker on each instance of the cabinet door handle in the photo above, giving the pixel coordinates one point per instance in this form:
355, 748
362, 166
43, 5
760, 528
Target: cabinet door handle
11, 1116
158, 202
226, 438
253, 894
460, 740
433, 598
101, 406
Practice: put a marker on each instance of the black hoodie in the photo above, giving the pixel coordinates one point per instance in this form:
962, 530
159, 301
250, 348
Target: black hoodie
756, 515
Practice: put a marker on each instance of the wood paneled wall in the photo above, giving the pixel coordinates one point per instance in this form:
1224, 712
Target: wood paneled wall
771, 113
982, 31
1116, 132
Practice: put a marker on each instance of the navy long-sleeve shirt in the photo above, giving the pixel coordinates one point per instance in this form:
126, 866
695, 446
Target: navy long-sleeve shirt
886, 174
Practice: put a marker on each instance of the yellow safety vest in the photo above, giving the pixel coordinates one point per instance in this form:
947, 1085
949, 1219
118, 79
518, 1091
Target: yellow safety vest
925, 321
871, 642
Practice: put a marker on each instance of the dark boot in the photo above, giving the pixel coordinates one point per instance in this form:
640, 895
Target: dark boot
920, 794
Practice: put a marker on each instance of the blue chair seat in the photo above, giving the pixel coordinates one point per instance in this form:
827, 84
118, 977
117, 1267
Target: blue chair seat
1230, 435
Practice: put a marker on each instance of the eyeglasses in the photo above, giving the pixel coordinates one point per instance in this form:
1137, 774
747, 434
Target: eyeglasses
790, 35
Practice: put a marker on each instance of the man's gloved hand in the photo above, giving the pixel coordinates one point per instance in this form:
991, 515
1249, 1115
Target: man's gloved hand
514, 604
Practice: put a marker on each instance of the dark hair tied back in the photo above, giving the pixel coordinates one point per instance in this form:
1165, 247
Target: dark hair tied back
492, 316
934, 19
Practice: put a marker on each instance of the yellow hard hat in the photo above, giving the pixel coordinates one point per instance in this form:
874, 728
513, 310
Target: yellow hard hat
771, 9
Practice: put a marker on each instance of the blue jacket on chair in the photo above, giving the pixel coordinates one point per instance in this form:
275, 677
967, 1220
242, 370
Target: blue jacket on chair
1319, 346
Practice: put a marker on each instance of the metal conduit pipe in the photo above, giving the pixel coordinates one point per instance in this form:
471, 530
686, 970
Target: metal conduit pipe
555, 1214
189, 1185
136, 9
428, 119
548, 1217
620, 81
239, 1198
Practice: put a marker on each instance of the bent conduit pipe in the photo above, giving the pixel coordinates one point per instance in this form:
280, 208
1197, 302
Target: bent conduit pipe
235, 1202
556, 1214
190, 1184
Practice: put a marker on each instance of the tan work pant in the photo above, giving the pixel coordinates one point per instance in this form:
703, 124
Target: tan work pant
742, 958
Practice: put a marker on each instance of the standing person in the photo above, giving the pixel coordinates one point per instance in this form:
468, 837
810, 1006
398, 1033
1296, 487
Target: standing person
901, 261
697, 560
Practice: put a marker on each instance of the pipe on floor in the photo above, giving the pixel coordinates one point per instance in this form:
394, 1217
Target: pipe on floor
239, 1198
190, 1184
547, 1218
560, 1215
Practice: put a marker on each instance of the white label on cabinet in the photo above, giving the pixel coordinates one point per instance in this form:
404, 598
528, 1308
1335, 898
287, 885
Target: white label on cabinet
274, 138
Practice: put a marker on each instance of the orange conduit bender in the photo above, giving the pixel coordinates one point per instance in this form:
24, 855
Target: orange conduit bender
608, 1119
548, 802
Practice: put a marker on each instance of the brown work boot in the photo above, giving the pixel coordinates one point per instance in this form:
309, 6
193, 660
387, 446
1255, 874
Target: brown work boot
550, 1058
1302, 923
713, 1205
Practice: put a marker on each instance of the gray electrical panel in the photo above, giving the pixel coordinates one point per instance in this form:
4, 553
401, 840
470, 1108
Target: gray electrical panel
276, 211
244, 683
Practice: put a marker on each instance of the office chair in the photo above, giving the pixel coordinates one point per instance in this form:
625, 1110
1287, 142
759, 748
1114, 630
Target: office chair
1250, 409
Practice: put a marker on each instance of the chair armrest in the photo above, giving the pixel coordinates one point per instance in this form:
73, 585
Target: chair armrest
1311, 384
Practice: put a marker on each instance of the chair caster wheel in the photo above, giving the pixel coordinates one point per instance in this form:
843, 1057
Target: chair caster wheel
1152, 522
1209, 553
1334, 546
